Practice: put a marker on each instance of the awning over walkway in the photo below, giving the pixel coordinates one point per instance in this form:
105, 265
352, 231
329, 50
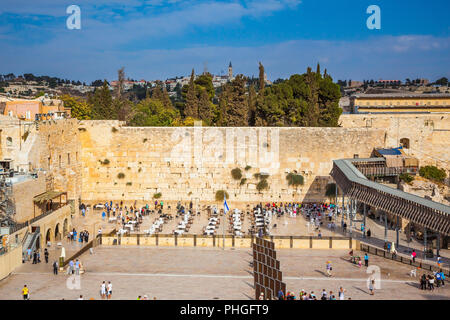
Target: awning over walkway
46, 196
426, 213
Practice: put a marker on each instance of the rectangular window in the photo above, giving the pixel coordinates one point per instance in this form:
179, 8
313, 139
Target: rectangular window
48, 162
68, 159
60, 161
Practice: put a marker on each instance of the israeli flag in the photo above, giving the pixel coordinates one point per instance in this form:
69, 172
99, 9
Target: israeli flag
225, 205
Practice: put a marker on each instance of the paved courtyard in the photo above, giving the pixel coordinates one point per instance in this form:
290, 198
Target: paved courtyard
211, 273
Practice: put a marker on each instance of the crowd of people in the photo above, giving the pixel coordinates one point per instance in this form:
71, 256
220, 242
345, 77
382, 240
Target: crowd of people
429, 282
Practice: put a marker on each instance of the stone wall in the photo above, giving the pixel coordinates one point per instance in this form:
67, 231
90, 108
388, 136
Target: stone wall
428, 134
188, 163
57, 151
24, 193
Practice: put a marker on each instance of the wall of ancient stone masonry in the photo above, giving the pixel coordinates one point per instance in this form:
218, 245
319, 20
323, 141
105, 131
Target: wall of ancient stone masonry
178, 162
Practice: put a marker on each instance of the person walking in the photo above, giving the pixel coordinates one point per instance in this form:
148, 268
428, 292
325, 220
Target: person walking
413, 255
109, 290
25, 293
442, 278
34, 257
55, 268
29, 254
103, 290
423, 282
341, 293
329, 268
77, 267
366, 259
70, 269
372, 287
46, 255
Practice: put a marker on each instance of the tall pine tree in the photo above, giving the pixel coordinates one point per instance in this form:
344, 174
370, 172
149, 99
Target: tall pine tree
191, 106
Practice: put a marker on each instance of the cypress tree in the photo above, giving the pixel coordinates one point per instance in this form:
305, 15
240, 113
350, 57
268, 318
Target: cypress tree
191, 106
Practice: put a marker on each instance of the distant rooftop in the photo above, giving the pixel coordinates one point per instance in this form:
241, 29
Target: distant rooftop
402, 95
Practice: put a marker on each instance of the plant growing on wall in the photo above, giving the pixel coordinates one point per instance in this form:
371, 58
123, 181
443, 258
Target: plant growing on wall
330, 191
157, 195
114, 130
25, 135
295, 179
247, 167
104, 162
406, 177
236, 173
145, 140
220, 195
129, 183
262, 185
243, 181
121, 175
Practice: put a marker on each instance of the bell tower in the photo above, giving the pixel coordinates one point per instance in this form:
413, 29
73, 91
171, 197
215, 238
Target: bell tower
230, 71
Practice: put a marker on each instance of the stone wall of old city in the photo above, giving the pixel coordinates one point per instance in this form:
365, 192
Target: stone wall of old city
124, 163
57, 152
428, 134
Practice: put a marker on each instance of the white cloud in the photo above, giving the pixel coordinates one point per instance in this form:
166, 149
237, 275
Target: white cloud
366, 59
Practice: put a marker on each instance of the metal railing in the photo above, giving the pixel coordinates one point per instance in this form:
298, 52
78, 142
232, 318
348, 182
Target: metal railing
402, 259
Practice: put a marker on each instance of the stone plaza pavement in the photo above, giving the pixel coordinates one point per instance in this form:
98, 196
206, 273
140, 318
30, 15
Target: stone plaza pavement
212, 273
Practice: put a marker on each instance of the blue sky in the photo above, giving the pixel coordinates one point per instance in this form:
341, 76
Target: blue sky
157, 39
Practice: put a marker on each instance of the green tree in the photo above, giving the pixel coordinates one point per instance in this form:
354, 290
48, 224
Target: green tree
191, 106
102, 104
236, 104
79, 108
152, 112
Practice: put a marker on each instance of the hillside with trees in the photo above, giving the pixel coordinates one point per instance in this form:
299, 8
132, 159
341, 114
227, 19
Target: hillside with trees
304, 100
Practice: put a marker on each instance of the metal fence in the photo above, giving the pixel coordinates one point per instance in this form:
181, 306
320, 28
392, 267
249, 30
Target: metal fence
405, 260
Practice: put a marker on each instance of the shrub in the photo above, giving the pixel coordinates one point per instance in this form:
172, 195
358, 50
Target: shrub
114, 130
220, 193
433, 173
262, 185
157, 195
140, 169
104, 162
129, 183
406, 177
236, 173
247, 168
25, 135
243, 181
121, 175
145, 140
330, 190
295, 179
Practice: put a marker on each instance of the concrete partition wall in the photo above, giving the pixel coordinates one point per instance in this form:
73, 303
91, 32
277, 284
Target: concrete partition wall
300, 243
147, 240
321, 243
9, 261
183, 241
204, 241
228, 242
281, 242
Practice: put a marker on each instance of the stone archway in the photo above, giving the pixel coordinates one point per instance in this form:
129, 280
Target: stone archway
57, 233
48, 235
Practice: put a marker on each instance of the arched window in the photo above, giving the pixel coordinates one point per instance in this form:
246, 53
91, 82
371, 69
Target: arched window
404, 142
9, 141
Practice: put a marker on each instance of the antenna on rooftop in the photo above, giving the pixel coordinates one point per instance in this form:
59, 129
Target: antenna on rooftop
205, 67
